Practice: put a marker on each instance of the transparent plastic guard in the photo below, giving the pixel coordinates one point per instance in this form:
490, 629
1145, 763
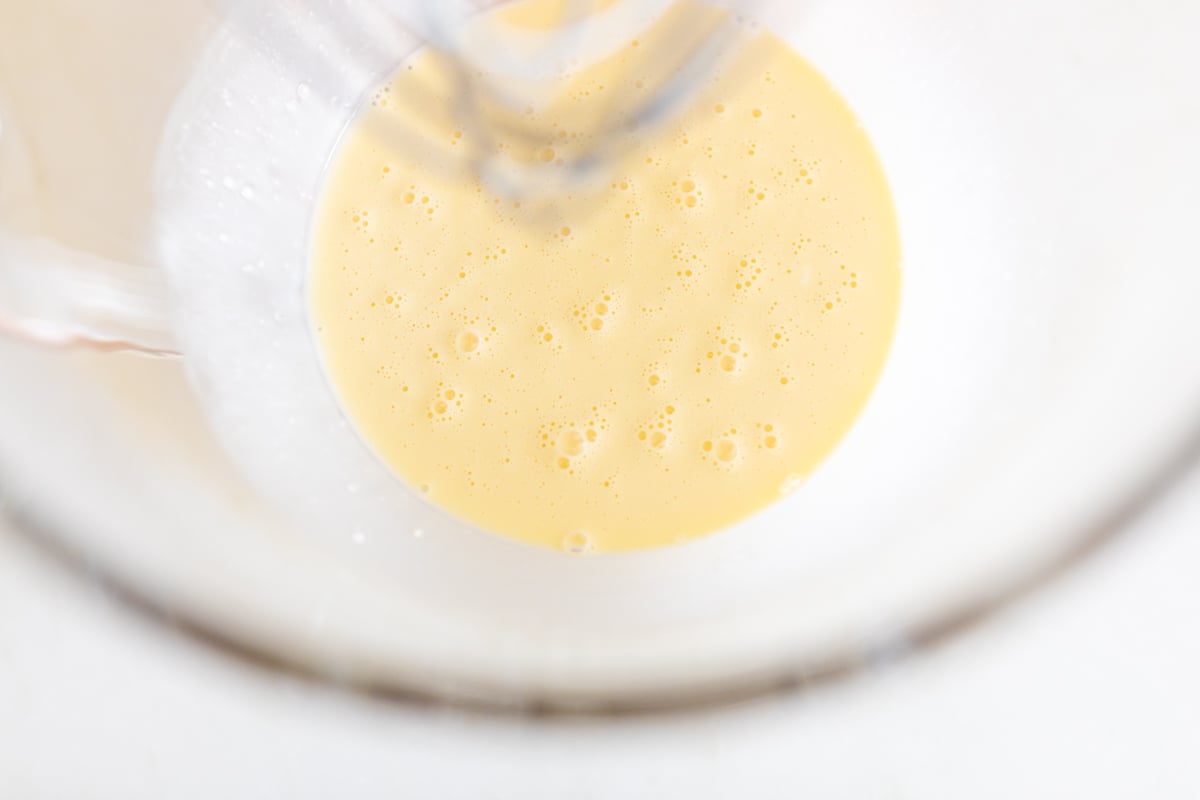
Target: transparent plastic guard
507, 62
504, 63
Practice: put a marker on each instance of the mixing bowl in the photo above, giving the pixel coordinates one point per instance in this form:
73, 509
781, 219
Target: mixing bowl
1044, 375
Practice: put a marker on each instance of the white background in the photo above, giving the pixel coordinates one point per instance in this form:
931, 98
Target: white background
1086, 689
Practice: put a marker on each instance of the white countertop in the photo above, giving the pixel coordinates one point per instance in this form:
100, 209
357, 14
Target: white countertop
1088, 688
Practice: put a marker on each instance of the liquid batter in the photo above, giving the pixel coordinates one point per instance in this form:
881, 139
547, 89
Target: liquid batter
641, 364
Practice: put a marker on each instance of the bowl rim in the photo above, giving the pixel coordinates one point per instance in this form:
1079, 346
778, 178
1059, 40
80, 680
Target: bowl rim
854, 658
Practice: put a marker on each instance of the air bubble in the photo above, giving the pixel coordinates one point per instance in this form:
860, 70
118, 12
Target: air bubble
468, 342
791, 484
577, 542
571, 443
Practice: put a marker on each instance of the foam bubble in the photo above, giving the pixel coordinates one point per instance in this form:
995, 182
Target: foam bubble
791, 484
571, 443
577, 542
468, 342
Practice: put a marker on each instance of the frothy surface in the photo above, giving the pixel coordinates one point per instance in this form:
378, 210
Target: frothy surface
627, 367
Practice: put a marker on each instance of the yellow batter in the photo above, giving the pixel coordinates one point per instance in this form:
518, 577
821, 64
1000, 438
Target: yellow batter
638, 365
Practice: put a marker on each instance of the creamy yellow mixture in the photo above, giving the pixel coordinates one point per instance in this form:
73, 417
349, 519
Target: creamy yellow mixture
625, 367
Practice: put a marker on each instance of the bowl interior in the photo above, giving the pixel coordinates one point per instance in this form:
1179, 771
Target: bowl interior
1040, 368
